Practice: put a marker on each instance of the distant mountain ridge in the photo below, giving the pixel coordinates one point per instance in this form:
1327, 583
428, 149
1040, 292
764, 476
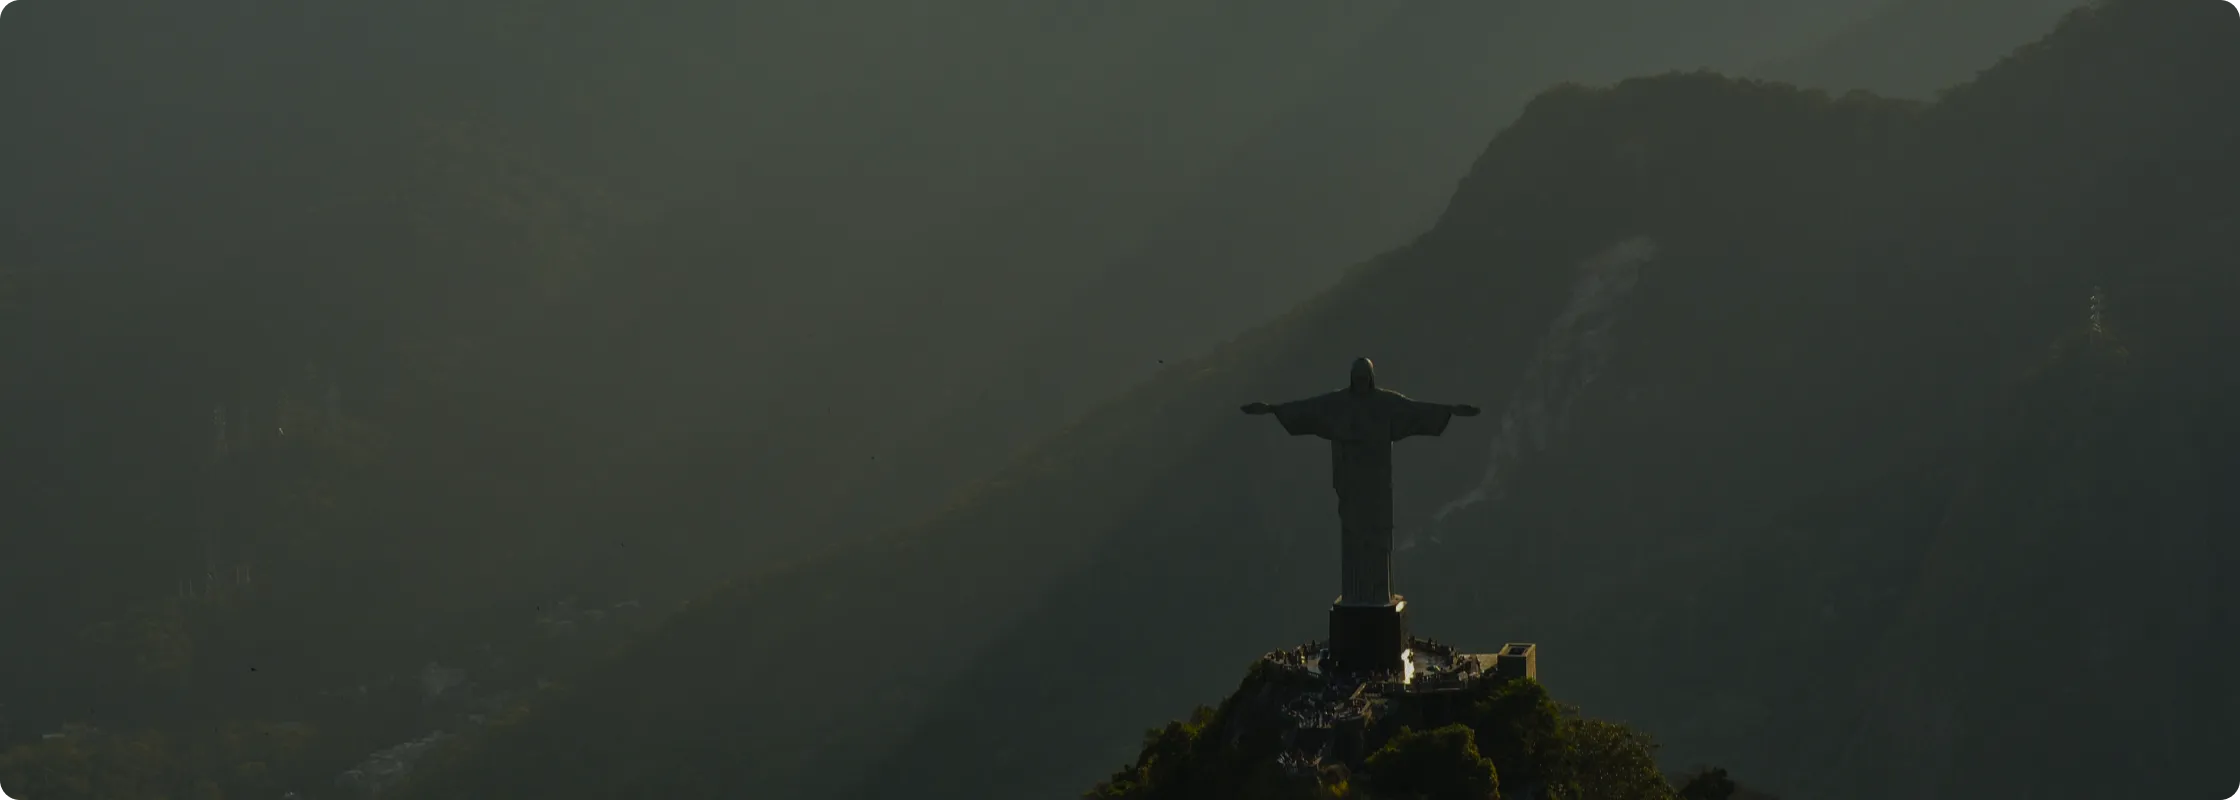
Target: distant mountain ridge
1914, 48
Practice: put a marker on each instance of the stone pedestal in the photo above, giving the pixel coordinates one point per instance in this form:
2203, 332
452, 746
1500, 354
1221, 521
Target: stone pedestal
1368, 638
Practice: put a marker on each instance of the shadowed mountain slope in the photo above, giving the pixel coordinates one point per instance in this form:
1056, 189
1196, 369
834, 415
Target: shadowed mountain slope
1742, 339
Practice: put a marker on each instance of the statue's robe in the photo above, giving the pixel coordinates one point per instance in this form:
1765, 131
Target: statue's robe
1361, 428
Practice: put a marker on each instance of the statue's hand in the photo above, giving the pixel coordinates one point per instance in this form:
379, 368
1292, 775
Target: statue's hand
1466, 411
1257, 408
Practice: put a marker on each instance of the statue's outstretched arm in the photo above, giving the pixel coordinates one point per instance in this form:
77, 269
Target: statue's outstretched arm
1299, 417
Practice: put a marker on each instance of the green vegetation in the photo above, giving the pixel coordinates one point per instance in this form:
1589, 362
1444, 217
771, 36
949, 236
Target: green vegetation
1443, 764
1505, 735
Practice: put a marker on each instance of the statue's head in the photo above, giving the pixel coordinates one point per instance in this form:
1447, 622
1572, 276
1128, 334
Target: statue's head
1364, 376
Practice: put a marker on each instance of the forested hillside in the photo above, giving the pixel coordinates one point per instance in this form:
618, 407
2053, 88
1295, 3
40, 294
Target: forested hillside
1486, 740
1769, 478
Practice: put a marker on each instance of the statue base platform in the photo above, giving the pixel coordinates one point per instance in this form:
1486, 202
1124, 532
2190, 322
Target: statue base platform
1368, 638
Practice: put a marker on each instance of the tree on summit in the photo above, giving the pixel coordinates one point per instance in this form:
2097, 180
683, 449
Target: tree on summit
1441, 764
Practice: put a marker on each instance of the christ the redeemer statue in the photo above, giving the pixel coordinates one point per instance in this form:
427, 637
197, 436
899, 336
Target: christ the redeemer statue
1362, 421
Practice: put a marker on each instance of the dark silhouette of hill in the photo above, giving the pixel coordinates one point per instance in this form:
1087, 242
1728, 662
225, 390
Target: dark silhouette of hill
1746, 513
1390, 122
1396, 118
